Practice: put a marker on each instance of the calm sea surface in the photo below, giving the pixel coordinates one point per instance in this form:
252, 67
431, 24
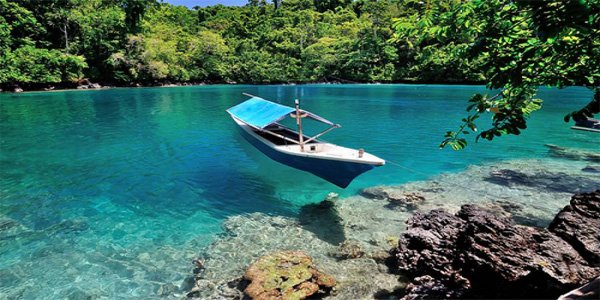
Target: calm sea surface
113, 192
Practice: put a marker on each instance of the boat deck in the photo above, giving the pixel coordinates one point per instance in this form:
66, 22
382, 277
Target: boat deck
281, 131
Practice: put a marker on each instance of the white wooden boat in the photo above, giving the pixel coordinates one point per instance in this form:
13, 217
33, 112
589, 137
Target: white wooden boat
259, 120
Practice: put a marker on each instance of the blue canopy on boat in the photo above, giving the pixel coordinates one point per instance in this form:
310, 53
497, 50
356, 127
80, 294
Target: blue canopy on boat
261, 113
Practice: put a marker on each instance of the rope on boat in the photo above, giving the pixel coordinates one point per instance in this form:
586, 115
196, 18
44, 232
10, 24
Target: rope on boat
480, 193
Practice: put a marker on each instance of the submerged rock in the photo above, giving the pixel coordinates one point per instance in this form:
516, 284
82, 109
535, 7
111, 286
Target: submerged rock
591, 169
332, 196
551, 181
258, 234
11, 229
508, 206
478, 254
396, 196
349, 249
286, 275
572, 153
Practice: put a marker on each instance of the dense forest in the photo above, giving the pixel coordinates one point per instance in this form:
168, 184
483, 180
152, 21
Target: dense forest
511, 46
144, 41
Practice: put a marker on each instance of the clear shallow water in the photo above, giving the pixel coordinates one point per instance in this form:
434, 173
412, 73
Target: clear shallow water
113, 192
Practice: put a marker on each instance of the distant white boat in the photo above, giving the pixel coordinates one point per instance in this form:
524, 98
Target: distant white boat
259, 120
587, 124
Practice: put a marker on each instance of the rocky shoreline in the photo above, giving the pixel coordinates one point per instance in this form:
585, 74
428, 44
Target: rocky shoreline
87, 84
478, 254
350, 239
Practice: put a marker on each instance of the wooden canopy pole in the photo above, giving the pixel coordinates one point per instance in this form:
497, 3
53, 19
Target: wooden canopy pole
323, 132
299, 123
250, 95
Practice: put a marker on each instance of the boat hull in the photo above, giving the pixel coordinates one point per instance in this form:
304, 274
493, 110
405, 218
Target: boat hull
340, 173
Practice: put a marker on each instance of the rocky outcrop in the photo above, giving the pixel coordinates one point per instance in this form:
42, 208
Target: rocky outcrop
87, 84
286, 275
579, 225
478, 254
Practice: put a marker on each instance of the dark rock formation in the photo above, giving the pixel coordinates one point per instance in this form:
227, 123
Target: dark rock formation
478, 254
579, 225
87, 84
427, 287
286, 275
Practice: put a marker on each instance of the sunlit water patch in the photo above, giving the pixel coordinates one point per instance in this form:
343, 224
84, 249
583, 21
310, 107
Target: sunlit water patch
113, 193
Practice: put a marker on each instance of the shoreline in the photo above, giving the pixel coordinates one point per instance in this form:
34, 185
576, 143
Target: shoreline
42, 87
301, 83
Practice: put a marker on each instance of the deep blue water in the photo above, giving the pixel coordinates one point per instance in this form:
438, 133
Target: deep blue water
113, 192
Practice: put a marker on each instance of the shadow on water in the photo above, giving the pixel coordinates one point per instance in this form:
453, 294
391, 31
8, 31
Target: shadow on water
323, 220
557, 182
227, 191
243, 192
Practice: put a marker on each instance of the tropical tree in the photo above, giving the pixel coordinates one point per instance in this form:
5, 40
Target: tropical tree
518, 46
23, 57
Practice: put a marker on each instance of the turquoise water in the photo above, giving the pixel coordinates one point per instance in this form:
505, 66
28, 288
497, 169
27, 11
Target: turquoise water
112, 193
